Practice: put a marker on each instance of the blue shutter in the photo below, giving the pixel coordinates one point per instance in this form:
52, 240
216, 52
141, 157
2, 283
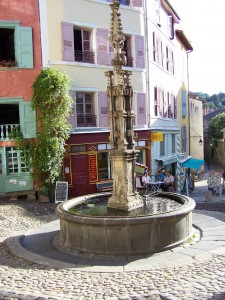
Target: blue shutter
24, 47
184, 104
27, 120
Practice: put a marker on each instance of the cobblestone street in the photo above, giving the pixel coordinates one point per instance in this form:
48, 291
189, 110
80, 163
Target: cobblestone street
20, 279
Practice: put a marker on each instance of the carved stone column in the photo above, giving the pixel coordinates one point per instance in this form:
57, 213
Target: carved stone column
121, 116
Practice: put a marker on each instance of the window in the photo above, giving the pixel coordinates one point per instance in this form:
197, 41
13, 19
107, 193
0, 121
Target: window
85, 110
78, 148
77, 44
15, 161
173, 143
170, 27
162, 146
104, 169
184, 104
16, 45
82, 46
124, 2
157, 11
128, 52
104, 147
169, 60
9, 119
184, 138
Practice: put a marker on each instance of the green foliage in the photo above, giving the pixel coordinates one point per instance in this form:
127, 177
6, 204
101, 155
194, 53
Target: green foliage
216, 125
53, 104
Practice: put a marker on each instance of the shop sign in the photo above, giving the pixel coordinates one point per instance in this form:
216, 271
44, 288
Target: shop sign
93, 168
157, 136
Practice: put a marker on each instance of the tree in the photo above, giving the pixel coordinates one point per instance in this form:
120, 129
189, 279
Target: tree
53, 104
215, 126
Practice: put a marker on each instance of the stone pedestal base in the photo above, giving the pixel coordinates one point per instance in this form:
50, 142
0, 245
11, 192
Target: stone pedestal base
125, 203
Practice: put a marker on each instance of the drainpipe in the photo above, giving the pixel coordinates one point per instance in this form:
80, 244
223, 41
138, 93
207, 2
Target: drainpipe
189, 127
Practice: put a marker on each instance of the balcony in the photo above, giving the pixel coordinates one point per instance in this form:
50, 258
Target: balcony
84, 56
86, 120
5, 130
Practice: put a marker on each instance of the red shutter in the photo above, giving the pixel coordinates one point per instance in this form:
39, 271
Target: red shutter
141, 109
67, 42
103, 109
140, 53
138, 3
102, 46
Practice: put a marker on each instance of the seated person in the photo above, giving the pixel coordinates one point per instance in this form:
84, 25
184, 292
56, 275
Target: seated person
169, 182
159, 178
146, 180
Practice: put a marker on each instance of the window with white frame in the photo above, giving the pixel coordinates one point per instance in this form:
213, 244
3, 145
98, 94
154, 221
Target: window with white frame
16, 163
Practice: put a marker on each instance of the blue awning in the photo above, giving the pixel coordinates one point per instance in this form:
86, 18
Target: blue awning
193, 163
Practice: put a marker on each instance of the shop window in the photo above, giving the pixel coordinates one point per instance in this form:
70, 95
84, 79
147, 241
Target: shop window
78, 148
16, 45
140, 157
104, 147
104, 170
15, 161
85, 110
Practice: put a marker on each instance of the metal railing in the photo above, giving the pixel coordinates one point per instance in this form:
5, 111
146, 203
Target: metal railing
6, 129
86, 120
85, 56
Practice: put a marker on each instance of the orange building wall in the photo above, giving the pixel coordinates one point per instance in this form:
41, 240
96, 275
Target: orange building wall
18, 83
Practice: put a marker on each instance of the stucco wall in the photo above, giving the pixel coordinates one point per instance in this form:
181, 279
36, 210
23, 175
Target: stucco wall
18, 82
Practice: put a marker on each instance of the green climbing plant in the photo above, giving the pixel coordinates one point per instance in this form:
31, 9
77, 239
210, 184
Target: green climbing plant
53, 104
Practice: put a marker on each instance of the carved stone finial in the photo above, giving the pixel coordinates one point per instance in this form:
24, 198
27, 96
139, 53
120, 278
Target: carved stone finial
116, 35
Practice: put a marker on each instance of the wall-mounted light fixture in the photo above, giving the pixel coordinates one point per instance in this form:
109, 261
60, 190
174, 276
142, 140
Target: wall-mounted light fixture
200, 142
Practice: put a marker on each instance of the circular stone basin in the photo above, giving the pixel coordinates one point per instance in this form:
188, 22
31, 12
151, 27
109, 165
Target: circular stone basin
137, 233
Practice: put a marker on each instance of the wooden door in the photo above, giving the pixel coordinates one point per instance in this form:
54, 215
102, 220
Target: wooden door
80, 175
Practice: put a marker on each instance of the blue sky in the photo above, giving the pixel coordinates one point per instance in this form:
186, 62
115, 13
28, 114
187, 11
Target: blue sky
203, 23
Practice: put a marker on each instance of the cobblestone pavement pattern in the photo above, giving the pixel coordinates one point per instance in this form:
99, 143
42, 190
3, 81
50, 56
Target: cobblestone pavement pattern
20, 279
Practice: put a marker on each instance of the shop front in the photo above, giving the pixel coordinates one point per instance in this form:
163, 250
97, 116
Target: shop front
87, 160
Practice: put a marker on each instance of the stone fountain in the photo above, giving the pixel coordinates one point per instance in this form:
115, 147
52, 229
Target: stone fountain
129, 231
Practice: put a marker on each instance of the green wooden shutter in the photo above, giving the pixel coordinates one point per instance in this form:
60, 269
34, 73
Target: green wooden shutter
24, 47
27, 120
